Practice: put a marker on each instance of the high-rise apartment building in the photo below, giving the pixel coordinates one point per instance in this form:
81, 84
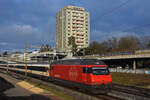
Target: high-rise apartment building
72, 21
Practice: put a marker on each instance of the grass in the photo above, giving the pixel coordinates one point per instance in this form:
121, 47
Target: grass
141, 80
56, 93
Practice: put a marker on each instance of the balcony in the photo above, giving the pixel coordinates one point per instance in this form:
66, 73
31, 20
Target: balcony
79, 41
78, 20
77, 27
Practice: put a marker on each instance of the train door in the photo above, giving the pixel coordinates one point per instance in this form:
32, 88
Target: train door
86, 75
89, 75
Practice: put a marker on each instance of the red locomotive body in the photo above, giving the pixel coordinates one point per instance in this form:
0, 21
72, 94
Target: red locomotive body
88, 74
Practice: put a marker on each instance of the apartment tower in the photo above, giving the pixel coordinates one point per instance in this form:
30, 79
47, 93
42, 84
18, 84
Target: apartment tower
72, 21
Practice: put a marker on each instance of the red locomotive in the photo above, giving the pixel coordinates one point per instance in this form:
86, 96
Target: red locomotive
87, 74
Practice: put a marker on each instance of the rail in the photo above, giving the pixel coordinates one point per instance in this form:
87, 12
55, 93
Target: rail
136, 93
79, 95
137, 71
119, 92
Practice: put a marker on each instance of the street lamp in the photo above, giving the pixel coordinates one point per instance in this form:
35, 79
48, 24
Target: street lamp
7, 63
26, 59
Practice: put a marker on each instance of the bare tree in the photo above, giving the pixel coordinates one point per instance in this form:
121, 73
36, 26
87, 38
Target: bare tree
148, 44
145, 42
112, 43
5, 53
99, 48
129, 43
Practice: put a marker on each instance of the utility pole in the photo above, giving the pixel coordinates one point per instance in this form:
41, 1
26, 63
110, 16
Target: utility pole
7, 63
26, 59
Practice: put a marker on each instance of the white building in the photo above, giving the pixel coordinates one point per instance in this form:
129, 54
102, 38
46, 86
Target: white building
72, 21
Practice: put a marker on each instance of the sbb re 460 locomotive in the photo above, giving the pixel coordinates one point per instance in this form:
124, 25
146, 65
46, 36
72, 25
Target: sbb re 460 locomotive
87, 74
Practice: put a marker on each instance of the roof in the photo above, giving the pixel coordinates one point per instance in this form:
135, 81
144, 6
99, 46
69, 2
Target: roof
79, 62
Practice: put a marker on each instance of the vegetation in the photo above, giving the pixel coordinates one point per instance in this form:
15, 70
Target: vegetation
84, 51
113, 44
72, 44
45, 48
56, 93
148, 44
5, 54
141, 80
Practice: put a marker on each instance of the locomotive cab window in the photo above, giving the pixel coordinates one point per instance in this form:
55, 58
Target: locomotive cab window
100, 71
87, 70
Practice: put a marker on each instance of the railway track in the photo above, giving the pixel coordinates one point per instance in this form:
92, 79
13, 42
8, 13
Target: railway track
79, 95
118, 91
136, 93
108, 97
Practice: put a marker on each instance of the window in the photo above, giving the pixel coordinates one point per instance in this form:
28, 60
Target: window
100, 71
87, 70
96, 70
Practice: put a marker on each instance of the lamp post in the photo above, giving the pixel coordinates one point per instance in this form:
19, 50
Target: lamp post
7, 63
26, 58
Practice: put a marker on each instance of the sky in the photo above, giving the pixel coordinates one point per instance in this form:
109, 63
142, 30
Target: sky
34, 21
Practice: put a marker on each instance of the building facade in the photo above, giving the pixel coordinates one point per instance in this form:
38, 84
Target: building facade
72, 21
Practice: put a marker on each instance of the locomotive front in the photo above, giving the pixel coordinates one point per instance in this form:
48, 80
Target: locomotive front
98, 77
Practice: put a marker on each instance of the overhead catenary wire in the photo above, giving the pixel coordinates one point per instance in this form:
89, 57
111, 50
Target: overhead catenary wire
114, 9
118, 7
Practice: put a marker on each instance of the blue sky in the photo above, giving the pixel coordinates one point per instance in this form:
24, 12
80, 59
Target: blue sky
33, 21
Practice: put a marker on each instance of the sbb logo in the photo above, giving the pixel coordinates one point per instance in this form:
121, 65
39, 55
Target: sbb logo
73, 73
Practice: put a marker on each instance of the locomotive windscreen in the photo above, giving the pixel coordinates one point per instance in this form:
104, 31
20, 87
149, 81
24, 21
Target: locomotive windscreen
100, 70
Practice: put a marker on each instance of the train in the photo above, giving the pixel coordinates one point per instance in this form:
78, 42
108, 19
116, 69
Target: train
90, 75
86, 74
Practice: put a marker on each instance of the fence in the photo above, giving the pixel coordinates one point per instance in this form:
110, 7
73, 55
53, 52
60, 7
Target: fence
137, 71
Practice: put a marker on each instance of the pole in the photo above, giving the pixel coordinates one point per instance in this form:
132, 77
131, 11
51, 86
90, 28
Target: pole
7, 63
134, 65
26, 58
